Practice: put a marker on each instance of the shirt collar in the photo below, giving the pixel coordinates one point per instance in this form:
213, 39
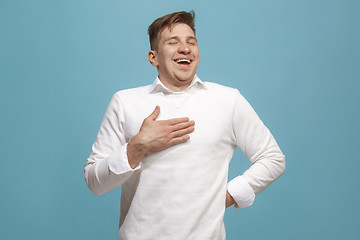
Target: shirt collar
158, 86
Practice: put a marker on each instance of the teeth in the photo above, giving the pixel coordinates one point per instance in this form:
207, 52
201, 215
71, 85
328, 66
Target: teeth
183, 61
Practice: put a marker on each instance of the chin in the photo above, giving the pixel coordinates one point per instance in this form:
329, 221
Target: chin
185, 78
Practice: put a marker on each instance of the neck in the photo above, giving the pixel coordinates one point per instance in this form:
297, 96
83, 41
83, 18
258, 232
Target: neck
176, 87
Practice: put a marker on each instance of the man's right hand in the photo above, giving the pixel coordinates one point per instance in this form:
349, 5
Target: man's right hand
155, 136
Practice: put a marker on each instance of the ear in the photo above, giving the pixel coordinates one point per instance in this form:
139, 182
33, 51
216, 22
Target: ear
152, 58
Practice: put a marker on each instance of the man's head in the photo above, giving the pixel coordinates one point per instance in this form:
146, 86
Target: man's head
174, 51
167, 21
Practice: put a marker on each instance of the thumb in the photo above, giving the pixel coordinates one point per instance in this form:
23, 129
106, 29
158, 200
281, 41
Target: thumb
153, 116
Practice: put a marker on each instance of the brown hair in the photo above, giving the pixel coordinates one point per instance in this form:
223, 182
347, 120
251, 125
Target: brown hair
166, 21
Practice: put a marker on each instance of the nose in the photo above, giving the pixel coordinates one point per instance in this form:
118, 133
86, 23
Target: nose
184, 48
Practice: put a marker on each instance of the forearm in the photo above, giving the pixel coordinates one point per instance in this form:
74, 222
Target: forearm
101, 181
265, 171
104, 175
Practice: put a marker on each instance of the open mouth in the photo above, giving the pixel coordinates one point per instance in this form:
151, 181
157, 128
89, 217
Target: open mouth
183, 62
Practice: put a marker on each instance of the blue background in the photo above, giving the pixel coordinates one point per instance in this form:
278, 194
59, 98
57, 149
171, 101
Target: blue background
297, 63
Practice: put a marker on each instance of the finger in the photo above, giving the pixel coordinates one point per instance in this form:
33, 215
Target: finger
181, 125
179, 140
155, 113
174, 121
182, 132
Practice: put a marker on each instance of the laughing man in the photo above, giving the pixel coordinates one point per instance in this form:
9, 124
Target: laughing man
169, 145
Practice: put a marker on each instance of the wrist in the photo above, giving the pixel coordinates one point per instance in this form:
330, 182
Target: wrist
136, 151
229, 200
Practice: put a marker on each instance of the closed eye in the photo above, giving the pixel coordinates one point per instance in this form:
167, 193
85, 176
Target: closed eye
172, 42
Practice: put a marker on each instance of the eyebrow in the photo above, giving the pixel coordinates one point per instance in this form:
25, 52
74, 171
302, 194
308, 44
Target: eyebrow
194, 38
177, 38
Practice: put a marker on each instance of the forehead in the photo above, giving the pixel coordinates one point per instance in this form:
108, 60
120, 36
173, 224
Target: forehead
180, 30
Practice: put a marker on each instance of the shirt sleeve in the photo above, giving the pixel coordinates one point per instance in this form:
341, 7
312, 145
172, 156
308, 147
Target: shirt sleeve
258, 144
107, 166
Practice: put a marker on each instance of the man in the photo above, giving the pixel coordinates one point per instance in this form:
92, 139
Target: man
169, 145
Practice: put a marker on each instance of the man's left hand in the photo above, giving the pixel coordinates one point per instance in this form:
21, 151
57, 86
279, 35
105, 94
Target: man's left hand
229, 200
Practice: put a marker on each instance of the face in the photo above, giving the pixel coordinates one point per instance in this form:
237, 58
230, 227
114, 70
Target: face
176, 57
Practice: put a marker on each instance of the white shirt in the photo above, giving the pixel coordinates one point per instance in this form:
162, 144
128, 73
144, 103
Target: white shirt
179, 192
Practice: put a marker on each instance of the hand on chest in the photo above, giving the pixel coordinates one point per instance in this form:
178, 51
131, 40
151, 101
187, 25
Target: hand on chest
213, 117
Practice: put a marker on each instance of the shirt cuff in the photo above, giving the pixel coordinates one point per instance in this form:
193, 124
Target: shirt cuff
119, 163
241, 191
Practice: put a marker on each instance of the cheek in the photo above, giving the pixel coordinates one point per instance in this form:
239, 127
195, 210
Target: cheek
197, 52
